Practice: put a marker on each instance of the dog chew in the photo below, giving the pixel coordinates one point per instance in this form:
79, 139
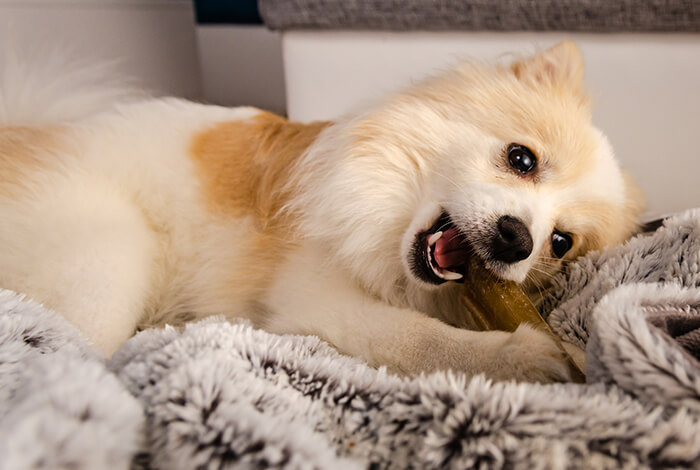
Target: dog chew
496, 304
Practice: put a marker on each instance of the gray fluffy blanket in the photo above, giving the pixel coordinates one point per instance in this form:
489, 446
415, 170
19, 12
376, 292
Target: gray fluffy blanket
224, 395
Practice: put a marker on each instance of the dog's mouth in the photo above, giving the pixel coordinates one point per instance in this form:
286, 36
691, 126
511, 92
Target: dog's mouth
441, 253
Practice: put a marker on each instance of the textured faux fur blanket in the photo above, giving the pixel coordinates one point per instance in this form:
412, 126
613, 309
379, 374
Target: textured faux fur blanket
223, 395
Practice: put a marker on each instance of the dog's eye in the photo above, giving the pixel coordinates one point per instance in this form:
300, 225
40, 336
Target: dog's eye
521, 158
561, 243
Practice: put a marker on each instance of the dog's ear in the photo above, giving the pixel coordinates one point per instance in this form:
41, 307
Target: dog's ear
560, 65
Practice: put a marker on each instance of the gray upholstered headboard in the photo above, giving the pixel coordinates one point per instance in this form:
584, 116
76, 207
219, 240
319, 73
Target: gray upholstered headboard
476, 15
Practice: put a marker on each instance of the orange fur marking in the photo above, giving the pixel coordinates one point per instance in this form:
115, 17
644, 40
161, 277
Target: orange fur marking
245, 168
245, 165
23, 151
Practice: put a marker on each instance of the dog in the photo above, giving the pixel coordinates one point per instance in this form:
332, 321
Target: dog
163, 211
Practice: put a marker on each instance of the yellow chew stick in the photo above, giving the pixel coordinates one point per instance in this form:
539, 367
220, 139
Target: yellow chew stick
496, 304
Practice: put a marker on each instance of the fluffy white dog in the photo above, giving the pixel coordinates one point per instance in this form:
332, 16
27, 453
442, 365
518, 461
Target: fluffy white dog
165, 211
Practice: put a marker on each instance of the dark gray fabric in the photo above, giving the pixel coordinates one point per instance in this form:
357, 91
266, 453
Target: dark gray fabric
479, 15
683, 325
636, 308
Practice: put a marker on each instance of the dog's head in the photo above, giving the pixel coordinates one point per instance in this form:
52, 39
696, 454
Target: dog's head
498, 162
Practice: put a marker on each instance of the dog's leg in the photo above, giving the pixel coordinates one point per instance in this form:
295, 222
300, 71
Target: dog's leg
83, 252
307, 300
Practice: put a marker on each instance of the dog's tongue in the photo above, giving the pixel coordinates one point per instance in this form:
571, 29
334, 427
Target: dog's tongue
450, 250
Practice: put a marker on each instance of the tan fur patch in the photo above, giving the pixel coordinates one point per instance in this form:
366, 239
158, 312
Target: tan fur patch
24, 151
245, 168
604, 224
245, 165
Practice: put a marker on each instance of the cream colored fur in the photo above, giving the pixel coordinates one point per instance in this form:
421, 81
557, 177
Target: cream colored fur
112, 230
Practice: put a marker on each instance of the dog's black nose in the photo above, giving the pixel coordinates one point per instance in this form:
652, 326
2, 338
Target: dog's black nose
512, 241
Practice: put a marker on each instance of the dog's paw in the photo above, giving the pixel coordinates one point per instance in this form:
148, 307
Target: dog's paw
530, 355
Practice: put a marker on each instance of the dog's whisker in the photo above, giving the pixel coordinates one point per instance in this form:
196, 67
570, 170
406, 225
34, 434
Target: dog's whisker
536, 284
541, 271
447, 177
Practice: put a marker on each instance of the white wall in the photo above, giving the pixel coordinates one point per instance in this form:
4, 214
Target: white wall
152, 40
645, 88
242, 65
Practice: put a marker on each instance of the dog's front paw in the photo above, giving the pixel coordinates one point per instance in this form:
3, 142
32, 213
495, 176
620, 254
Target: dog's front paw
530, 355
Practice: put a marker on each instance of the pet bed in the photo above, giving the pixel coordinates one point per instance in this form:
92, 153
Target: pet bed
223, 395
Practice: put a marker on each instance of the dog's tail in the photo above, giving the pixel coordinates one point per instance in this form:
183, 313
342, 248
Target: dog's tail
42, 86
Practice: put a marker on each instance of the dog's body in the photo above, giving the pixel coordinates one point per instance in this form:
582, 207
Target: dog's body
165, 211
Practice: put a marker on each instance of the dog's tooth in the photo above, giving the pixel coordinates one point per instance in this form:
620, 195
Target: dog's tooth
445, 274
434, 237
451, 276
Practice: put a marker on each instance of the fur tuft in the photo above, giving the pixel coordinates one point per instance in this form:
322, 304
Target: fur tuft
51, 86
